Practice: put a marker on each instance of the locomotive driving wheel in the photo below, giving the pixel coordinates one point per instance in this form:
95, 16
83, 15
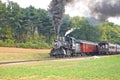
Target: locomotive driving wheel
60, 53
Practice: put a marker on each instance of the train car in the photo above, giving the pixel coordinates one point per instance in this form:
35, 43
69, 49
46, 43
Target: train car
112, 48
88, 48
118, 49
105, 47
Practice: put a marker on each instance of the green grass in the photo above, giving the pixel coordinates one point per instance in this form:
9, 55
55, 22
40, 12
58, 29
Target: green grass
94, 69
21, 56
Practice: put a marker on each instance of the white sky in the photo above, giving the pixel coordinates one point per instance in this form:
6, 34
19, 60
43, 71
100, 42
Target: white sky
36, 3
77, 10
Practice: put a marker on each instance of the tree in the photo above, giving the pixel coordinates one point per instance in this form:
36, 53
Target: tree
66, 25
110, 32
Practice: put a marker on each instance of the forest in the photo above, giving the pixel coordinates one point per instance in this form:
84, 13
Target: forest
32, 28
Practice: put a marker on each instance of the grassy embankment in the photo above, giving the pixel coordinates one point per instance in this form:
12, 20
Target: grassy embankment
95, 69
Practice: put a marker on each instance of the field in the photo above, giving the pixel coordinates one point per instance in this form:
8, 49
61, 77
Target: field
107, 68
13, 54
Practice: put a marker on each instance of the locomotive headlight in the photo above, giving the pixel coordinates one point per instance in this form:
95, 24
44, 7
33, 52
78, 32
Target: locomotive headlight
56, 44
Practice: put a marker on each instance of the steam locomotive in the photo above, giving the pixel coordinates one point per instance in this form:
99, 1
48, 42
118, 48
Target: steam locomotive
68, 47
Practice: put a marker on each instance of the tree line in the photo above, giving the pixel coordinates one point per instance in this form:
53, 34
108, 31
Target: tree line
32, 28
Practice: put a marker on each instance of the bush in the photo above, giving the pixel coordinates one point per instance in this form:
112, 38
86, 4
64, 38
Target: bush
2, 44
8, 43
34, 45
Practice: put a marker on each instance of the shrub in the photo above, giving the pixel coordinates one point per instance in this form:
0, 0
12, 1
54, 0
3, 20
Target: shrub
32, 44
35, 45
8, 43
2, 44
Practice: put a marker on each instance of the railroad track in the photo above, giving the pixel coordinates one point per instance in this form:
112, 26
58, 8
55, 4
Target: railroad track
55, 59
25, 61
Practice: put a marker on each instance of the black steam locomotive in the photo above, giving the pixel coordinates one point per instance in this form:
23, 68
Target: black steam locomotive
68, 47
63, 46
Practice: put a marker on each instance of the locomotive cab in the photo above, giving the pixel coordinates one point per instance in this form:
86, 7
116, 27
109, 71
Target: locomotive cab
70, 41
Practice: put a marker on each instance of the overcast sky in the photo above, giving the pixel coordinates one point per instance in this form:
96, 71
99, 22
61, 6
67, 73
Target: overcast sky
44, 5
36, 3
77, 10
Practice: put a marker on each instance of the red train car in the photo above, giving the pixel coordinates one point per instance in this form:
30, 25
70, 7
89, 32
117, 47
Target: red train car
89, 48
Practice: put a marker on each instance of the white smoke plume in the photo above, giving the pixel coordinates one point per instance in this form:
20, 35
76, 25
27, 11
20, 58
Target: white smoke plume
69, 31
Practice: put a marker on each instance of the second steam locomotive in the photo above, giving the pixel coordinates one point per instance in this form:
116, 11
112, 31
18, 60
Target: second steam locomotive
68, 47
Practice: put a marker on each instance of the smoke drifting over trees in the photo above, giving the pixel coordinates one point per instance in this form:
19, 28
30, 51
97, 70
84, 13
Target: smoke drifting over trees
99, 9
104, 9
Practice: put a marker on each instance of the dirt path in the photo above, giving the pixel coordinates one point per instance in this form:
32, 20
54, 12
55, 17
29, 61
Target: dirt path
22, 50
